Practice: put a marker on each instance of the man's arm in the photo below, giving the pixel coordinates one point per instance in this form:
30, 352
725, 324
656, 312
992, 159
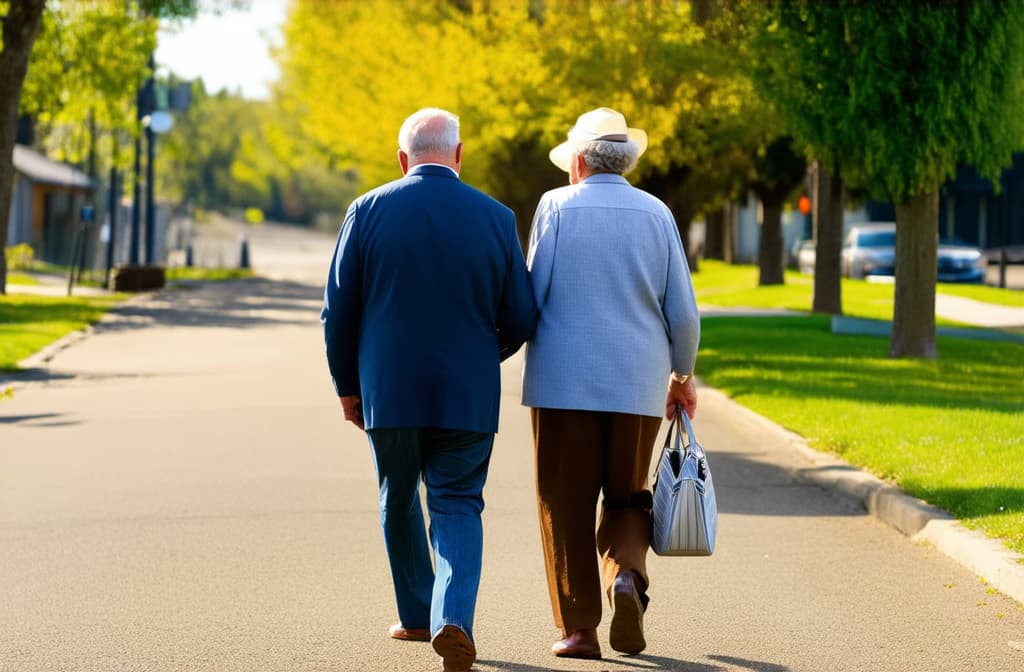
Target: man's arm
517, 316
541, 258
342, 312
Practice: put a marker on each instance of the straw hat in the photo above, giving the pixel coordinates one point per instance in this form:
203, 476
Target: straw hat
600, 124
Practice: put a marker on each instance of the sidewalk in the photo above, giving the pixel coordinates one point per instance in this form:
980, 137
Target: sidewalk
978, 313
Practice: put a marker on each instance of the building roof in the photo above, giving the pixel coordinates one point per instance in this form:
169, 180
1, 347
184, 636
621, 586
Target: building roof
44, 170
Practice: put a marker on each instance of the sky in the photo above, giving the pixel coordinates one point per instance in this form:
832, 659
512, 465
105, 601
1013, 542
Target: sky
230, 50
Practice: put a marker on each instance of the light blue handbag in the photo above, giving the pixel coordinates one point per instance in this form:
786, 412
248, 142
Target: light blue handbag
685, 509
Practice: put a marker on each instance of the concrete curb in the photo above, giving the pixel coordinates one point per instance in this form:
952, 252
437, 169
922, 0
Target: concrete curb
986, 557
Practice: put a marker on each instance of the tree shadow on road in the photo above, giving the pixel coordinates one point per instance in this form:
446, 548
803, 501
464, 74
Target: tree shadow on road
640, 663
238, 304
37, 420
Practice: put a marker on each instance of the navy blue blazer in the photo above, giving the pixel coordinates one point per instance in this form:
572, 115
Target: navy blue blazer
427, 285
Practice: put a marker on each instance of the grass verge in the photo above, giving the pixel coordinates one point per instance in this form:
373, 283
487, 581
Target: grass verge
180, 273
29, 323
947, 431
21, 279
1002, 297
721, 284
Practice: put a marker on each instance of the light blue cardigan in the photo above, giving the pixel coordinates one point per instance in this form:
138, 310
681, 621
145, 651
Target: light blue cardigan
617, 310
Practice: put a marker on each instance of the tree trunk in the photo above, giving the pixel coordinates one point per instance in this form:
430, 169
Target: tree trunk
828, 232
713, 231
20, 27
913, 319
729, 234
769, 255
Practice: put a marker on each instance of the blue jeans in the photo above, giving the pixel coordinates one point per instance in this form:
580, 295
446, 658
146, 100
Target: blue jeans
453, 465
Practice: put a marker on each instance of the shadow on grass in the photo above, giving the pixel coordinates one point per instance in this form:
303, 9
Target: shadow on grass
808, 361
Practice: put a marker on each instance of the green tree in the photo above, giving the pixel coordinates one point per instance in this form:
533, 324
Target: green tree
20, 25
83, 75
778, 170
89, 59
896, 95
518, 74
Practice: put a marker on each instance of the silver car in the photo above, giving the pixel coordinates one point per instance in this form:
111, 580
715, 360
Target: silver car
870, 250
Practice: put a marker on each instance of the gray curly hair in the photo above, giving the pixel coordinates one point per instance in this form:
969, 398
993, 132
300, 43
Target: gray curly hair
606, 156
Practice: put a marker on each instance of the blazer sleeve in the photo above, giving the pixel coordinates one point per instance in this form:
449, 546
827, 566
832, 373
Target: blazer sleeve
343, 307
680, 305
517, 316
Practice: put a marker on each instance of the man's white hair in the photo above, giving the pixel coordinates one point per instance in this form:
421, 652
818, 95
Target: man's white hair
417, 136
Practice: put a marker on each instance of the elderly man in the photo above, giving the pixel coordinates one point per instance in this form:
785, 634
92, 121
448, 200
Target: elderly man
617, 320
427, 285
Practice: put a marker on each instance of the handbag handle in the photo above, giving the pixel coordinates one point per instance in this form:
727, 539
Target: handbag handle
673, 431
680, 413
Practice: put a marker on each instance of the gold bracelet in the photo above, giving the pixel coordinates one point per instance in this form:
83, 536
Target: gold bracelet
681, 378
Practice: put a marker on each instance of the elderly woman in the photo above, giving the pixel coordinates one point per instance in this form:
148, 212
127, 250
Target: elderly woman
618, 321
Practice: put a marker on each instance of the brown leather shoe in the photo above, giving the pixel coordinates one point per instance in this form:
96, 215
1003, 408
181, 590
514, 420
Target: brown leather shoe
626, 634
399, 631
455, 648
579, 644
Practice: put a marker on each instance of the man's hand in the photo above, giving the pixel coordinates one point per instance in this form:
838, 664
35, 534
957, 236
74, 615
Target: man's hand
681, 394
353, 409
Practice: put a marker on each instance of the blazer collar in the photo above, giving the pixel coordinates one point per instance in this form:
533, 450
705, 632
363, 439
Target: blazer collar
605, 178
433, 169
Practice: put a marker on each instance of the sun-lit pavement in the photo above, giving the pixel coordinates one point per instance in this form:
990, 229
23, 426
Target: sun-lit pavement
179, 492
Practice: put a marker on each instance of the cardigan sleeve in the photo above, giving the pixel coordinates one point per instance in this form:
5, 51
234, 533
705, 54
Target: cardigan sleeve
342, 310
680, 305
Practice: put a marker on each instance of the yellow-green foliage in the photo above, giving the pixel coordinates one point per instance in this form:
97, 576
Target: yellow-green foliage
517, 73
19, 257
253, 216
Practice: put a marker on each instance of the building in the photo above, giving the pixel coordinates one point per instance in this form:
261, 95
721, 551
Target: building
47, 201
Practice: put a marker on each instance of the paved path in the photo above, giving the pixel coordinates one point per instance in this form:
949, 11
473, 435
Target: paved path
179, 492
978, 313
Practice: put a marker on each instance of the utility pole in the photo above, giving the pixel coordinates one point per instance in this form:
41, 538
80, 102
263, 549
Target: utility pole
145, 103
150, 201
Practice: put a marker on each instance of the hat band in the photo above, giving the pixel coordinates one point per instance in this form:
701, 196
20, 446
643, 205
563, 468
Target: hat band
615, 137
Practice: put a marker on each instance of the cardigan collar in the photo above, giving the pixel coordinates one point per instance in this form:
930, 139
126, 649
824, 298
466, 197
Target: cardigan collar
605, 178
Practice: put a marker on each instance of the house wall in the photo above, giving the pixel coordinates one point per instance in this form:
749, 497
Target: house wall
19, 223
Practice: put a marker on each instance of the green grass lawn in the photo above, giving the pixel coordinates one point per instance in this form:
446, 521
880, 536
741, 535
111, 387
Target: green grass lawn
29, 323
948, 431
1003, 297
21, 279
721, 284
179, 273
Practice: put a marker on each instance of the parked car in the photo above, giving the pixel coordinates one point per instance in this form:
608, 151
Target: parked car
803, 256
870, 250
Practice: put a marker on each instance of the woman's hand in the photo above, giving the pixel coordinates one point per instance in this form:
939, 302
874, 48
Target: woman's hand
681, 394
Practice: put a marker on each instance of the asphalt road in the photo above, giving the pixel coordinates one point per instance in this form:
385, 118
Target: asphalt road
178, 492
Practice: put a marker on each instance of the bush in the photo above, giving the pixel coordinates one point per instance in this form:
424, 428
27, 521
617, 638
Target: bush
19, 257
253, 216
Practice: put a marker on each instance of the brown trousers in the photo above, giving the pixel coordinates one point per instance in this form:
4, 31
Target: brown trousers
579, 454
